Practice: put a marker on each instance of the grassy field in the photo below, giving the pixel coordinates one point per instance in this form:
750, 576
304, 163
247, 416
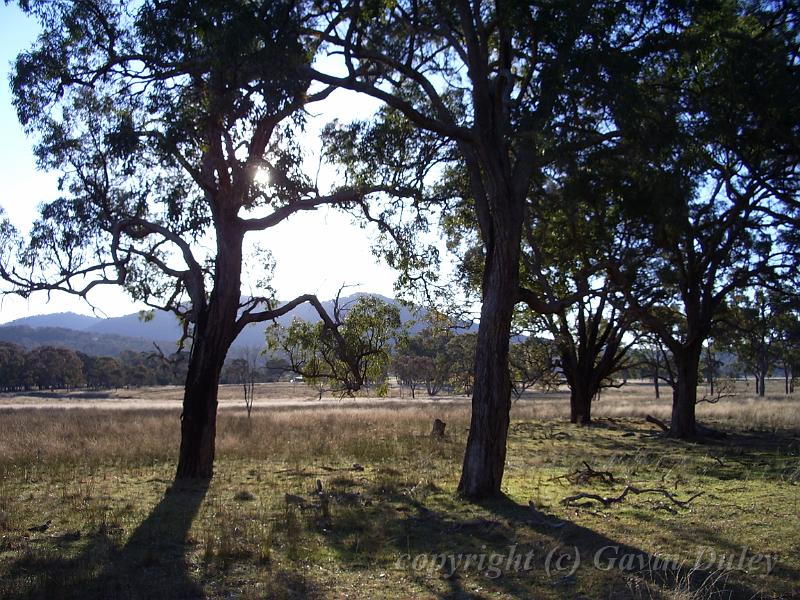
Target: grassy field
354, 499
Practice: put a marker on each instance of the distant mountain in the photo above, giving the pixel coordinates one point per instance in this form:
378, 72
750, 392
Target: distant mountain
84, 341
109, 337
164, 325
66, 320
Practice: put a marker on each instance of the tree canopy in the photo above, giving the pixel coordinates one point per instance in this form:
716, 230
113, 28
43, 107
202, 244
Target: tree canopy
593, 163
160, 117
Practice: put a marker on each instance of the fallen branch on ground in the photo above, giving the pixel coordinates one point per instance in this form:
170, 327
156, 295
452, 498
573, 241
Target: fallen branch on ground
586, 475
659, 422
354, 467
629, 489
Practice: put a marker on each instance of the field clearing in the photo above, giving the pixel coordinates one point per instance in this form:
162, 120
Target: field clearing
635, 399
387, 523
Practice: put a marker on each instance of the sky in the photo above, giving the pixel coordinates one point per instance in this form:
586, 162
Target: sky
315, 252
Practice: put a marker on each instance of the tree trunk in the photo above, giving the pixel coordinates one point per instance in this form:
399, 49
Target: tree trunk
684, 395
710, 369
655, 385
485, 455
199, 418
214, 332
581, 391
580, 406
711, 381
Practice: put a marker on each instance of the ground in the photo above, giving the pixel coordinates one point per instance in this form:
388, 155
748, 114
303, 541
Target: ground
355, 499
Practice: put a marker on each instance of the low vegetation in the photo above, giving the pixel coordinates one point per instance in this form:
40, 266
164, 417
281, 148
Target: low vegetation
357, 501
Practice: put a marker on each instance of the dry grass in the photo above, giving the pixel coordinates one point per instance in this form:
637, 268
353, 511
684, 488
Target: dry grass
634, 400
120, 529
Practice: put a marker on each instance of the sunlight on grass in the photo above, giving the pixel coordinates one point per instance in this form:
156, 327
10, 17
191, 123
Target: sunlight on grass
355, 501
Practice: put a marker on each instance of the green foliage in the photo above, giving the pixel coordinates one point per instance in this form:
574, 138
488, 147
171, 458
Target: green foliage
103, 372
412, 370
532, 363
13, 373
54, 368
762, 329
387, 151
353, 353
438, 356
48, 367
158, 117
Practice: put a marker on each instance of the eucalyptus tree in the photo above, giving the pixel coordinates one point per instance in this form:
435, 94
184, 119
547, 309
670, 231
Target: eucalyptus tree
504, 87
712, 153
368, 327
441, 356
532, 363
763, 332
411, 370
13, 375
756, 338
174, 127
54, 368
575, 230
788, 346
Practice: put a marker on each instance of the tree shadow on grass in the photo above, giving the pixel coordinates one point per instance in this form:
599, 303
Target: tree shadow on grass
771, 454
630, 571
423, 540
151, 564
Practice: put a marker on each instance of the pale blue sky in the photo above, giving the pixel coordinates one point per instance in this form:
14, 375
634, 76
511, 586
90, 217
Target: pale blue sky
315, 252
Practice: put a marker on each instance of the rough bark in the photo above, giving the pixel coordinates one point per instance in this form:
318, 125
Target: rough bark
214, 332
763, 368
684, 395
710, 369
581, 389
580, 406
578, 380
199, 418
485, 455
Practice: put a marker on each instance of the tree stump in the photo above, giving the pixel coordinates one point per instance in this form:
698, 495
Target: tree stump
438, 428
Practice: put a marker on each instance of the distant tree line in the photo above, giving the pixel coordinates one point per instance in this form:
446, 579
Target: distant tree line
51, 367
